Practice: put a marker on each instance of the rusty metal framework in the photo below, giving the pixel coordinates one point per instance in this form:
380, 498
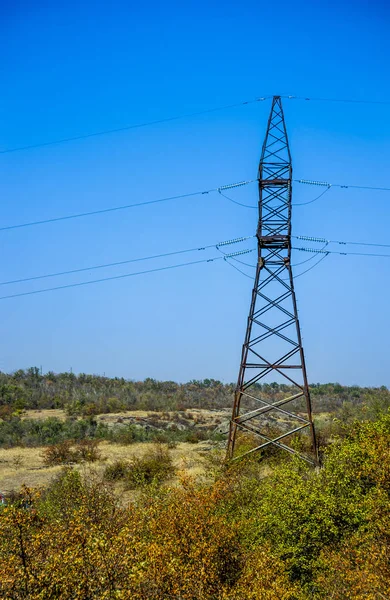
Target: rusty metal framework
273, 346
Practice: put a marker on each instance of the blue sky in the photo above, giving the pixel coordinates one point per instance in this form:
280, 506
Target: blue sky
70, 70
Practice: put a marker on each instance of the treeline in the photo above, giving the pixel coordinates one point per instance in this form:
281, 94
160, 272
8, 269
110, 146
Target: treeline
297, 534
94, 394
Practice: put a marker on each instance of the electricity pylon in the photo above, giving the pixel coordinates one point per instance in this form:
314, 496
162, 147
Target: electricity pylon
273, 345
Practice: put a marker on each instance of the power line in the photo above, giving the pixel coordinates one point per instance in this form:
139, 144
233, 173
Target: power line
340, 185
325, 184
236, 259
181, 196
183, 116
313, 266
342, 253
324, 255
124, 207
219, 189
295, 276
239, 270
342, 100
225, 257
297, 264
320, 240
314, 199
235, 201
242, 262
302, 262
83, 283
124, 262
128, 127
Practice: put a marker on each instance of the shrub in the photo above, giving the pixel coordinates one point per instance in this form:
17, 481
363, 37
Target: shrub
59, 454
68, 452
87, 450
194, 436
129, 434
5, 412
154, 467
169, 437
40, 432
116, 471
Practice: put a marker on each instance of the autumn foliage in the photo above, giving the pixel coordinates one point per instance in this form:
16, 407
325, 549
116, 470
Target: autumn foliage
296, 534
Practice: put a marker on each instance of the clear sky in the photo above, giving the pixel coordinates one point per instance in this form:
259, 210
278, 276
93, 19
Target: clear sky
74, 68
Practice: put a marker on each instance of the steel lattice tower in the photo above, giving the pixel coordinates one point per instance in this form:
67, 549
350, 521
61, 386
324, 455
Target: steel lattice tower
273, 346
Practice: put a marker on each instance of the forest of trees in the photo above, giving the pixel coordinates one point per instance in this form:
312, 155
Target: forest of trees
94, 394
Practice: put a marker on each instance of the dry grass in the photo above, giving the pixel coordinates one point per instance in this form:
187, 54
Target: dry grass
23, 465
195, 415
20, 466
45, 414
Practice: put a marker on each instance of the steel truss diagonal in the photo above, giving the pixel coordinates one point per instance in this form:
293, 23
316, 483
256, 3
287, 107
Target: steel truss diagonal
272, 348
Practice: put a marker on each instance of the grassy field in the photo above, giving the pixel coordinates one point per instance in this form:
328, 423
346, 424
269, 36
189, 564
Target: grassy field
25, 465
20, 466
44, 414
